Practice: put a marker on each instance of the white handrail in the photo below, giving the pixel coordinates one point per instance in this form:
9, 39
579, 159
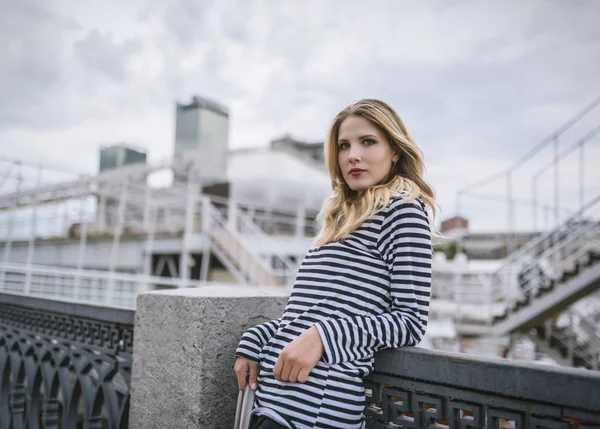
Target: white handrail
534, 243
256, 260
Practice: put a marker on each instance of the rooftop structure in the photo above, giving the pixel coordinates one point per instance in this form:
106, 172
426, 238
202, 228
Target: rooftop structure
307, 150
120, 155
202, 138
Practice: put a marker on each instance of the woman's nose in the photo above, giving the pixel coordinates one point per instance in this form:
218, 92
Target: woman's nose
354, 154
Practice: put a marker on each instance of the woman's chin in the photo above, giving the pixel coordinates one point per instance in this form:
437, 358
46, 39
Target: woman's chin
358, 186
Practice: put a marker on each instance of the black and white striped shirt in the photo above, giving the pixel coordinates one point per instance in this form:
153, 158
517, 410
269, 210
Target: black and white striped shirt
368, 292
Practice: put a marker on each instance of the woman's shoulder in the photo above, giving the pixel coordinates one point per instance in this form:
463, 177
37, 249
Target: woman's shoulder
402, 201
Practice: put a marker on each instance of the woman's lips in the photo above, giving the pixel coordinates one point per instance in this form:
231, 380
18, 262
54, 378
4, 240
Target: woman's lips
356, 172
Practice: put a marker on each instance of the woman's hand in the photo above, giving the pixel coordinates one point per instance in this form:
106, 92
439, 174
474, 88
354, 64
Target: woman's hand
299, 357
244, 367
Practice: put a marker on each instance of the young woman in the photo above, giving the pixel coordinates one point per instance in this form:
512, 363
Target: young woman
363, 287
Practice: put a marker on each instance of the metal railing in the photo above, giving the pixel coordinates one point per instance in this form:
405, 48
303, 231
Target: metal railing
581, 127
572, 339
240, 225
83, 286
281, 265
549, 256
522, 274
425, 389
64, 365
245, 260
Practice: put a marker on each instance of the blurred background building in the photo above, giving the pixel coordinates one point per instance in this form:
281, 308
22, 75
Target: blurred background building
202, 138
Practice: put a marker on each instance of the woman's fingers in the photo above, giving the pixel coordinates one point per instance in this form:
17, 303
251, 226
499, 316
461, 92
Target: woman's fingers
277, 368
297, 369
303, 375
253, 375
285, 371
243, 368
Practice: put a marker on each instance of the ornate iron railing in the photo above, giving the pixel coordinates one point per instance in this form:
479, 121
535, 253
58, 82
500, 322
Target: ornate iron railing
417, 388
63, 365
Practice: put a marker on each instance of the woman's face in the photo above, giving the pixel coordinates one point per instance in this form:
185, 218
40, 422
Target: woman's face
364, 153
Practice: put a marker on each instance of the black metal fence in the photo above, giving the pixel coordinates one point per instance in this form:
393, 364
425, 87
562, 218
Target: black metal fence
63, 365
417, 388
68, 365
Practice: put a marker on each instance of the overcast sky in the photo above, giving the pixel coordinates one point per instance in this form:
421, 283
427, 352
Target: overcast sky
478, 83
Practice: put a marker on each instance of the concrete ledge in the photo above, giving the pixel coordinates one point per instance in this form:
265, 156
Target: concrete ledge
184, 342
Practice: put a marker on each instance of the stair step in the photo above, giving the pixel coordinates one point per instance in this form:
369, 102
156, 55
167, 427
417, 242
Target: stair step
499, 318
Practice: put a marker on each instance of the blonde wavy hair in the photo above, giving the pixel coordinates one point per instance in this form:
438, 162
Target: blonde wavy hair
346, 210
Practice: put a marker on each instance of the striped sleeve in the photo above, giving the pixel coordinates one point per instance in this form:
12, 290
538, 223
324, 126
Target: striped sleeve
404, 242
255, 338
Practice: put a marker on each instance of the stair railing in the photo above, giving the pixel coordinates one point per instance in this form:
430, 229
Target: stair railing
237, 249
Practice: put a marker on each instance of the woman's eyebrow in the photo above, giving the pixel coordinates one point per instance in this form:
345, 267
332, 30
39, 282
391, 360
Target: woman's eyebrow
360, 138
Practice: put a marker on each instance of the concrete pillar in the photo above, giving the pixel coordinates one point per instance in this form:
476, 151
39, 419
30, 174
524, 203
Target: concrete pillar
185, 340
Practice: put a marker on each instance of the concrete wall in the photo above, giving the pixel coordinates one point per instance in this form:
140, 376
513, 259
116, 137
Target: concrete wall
184, 344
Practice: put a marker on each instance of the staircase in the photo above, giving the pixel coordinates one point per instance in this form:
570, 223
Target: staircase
574, 344
284, 268
549, 274
237, 255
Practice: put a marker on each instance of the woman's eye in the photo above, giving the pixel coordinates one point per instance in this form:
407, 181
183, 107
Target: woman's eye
343, 146
369, 142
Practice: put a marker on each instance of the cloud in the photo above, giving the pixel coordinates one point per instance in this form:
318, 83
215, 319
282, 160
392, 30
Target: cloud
477, 83
102, 55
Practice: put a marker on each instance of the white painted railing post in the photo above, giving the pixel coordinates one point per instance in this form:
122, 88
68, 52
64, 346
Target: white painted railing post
114, 251
232, 214
82, 247
102, 214
146, 216
300, 220
193, 190
570, 339
149, 244
206, 228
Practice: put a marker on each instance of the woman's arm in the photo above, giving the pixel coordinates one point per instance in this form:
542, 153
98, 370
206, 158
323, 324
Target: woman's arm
255, 338
404, 242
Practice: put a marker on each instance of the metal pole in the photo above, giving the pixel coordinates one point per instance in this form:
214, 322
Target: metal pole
206, 227
300, 220
232, 214
65, 219
509, 241
82, 246
190, 204
114, 251
460, 237
102, 214
146, 220
571, 340
557, 255
581, 177
152, 216
556, 183
33, 232
534, 205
